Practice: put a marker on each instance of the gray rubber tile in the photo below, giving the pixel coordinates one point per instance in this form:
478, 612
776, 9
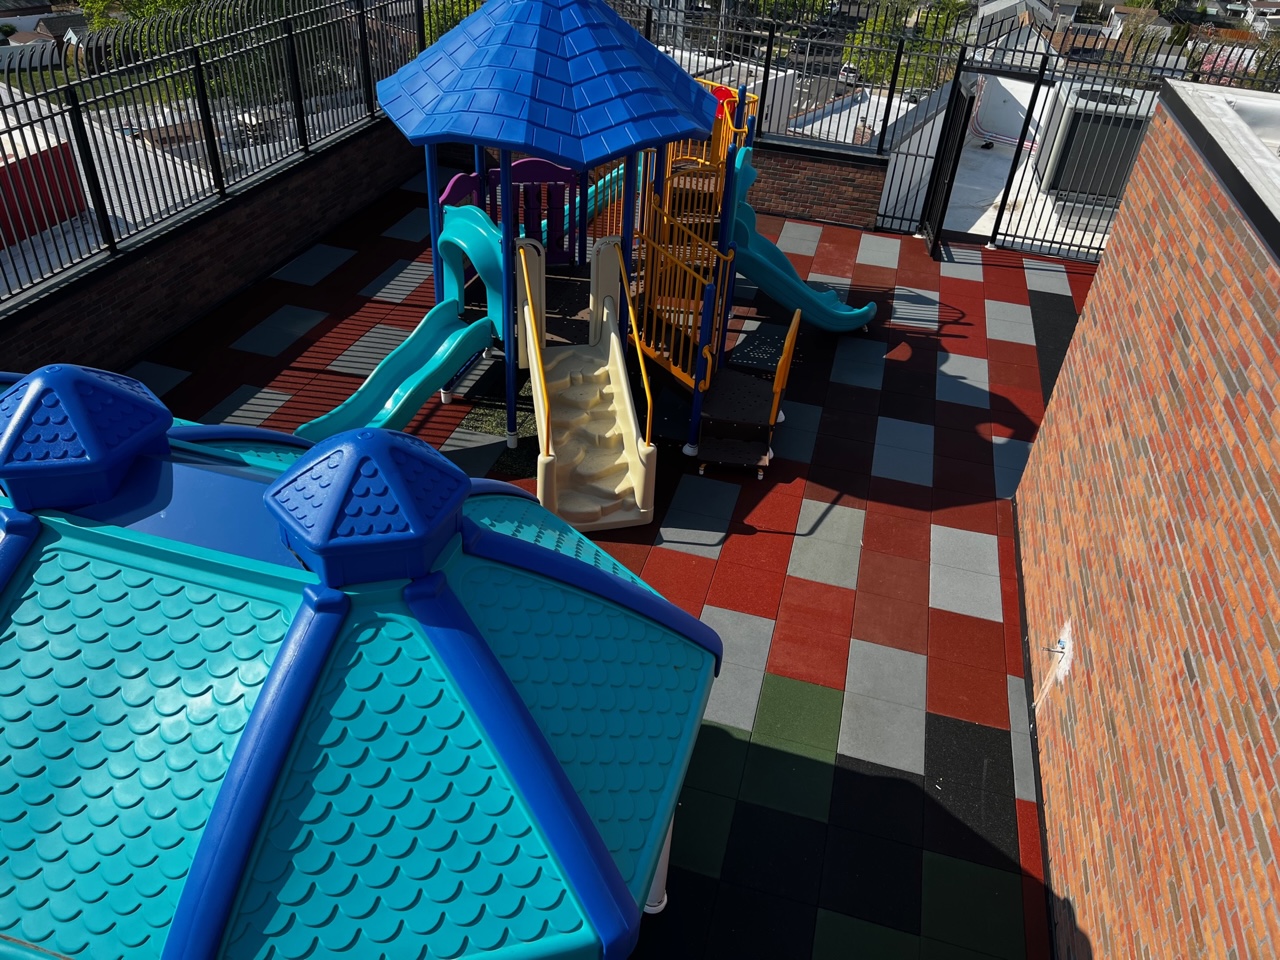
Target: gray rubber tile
746, 638
792, 443
885, 673
905, 435
414, 226
1004, 310
474, 453
831, 521
314, 265
694, 533
247, 406
965, 549
399, 281
914, 307
825, 561
159, 378
963, 591
801, 416
1047, 277
909, 466
735, 694
1024, 767
1018, 721
799, 238
276, 334
705, 496
890, 734
1010, 331
366, 353
876, 251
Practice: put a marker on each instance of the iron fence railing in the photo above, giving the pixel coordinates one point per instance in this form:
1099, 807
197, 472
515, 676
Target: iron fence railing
132, 126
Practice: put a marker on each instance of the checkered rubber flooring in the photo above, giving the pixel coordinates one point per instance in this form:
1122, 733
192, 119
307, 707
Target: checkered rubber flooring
864, 782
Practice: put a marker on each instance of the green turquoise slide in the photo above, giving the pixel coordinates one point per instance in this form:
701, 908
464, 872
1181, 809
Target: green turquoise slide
439, 346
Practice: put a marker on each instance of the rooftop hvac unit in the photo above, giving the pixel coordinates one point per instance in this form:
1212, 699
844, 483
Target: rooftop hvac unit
1090, 140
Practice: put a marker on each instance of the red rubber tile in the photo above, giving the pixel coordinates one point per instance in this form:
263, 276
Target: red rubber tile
967, 640
809, 655
891, 623
964, 476
1002, 374
962, 342
913, 379
680, 577
907, 500
633, 556
895, 577
954, 289
1013, 649
1035, 919
1030, 853
752, 547
964, 512
746, 589
838, 453
848, 425
784, 477
1008, 556
968, 693
921, 276
896, 536
842, 397
766, 509
1020, 354
835, 259
1004, 518
1023, 403
1007, 285
843, 487
907, 406
966, 444
803, 265
817, 606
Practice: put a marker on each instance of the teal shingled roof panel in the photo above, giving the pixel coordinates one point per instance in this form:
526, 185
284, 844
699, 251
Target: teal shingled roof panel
567, 80
528, 520
617, 697
395, 822
127, 672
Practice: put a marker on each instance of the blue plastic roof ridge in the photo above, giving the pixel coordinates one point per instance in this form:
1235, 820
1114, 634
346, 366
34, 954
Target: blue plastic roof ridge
213, 432
566, 80
488, 545
20, 533
367, 505
217, 870
487, 487
572, 837
69, 434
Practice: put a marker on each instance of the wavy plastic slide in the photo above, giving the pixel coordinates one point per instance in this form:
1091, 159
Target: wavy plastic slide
763, 263
439, 346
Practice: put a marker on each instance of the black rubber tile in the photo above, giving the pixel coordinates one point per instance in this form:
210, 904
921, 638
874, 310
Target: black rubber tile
681, 930
957, 751
1054, 317
873, 879
879, 800
774, 852
971, 824
751, 925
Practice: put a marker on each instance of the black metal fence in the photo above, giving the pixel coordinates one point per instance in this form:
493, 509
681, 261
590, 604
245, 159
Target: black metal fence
130, 127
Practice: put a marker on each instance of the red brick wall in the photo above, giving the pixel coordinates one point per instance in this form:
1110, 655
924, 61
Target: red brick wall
1146, 518
110, 315
836, 191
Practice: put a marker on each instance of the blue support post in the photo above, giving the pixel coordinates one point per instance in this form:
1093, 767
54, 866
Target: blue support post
725, 241
628, 208
751, 131
701, 369
583, 214
741, 111
482, 191
435, 219
508, 289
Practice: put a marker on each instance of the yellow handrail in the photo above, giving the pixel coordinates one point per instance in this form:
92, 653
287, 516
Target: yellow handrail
535, 350
783, 371
635, 333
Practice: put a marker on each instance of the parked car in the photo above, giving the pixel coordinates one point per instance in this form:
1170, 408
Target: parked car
916, 94
848, 74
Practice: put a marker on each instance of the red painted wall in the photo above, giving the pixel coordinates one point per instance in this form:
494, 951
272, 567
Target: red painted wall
38, 191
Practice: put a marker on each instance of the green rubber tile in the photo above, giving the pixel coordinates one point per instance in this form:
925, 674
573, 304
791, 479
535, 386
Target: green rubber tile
701, 834
718, 759
838, 937
972, 906
801, 712
789, 776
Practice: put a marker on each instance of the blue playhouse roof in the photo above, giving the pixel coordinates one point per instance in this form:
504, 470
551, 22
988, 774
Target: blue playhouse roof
567, 80
459, 726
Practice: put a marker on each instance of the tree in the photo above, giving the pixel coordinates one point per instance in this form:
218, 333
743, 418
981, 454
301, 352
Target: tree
99, 12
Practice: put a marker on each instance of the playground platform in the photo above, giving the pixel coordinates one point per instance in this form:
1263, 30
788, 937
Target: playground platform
863, 785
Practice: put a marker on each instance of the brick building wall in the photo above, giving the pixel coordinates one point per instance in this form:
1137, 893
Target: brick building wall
1147, 521
833, 190
113, 313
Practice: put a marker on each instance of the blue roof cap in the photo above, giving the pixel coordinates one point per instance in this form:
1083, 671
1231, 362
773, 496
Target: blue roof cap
568, 80
69, 434
369, 505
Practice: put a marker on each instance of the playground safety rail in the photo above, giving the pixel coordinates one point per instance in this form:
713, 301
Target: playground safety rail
533, 333
635, 334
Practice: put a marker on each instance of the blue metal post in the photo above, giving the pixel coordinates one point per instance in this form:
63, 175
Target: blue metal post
700, 369
628, 208
508, 289
583, 215
435, 218
741, 111
751, 131
482, 184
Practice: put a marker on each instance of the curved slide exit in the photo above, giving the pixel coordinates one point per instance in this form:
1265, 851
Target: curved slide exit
439, 346
764, 264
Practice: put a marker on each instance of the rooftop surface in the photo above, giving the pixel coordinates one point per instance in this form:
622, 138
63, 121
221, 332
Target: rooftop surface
863, 784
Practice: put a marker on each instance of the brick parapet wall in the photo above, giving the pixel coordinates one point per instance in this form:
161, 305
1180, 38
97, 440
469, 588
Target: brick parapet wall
832, 189
1147, 518
112, 314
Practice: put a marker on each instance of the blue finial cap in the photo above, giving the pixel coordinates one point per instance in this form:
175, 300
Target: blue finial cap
69, 434
369, 505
